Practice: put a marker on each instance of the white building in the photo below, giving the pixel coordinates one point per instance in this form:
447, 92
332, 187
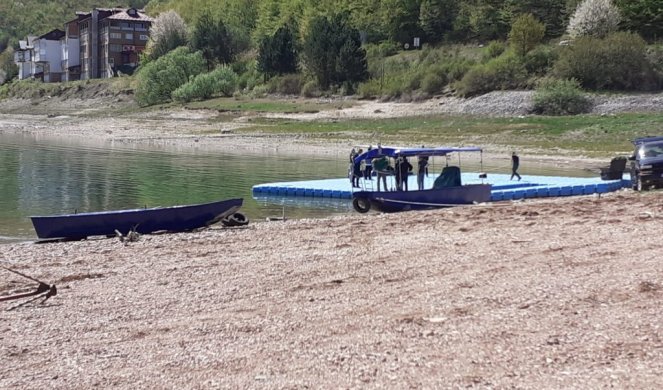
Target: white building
41, 58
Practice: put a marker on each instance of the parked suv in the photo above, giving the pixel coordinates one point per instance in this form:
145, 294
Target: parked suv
647, 163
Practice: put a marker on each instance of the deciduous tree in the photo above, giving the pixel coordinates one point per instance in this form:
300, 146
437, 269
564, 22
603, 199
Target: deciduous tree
526, 33
168, 32
596, 18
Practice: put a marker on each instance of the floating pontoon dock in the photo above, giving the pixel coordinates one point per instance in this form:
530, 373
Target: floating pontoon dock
503, 187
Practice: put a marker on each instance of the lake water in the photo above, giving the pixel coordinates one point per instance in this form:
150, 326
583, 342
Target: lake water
46, 176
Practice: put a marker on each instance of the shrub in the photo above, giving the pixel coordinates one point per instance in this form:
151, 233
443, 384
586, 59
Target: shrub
311, 89
433, 83
493, 50
158, 79
504, 72
220, 81
540, 60
560, 97
290, 84
249, 76
617, 62
526, 33
594, 18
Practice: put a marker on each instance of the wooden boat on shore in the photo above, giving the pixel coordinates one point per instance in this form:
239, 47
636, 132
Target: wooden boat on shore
144, 221
448, 191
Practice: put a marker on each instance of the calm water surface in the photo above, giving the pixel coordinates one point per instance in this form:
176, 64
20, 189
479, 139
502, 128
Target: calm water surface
46, 176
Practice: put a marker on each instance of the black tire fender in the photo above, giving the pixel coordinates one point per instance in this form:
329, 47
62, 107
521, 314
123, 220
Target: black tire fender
361, 205
235, 219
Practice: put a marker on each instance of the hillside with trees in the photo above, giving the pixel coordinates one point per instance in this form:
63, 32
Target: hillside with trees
401, 49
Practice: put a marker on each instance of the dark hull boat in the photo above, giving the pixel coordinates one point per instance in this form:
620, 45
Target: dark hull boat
144, 221
394, 201
447, 191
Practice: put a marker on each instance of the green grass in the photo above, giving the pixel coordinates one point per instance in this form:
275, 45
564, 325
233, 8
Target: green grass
265, 105
589, 135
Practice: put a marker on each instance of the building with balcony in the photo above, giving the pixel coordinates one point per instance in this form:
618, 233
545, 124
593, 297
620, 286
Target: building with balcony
101, 43
111, 40
40, 57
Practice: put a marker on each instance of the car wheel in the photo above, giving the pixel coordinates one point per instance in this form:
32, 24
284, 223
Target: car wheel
638, 183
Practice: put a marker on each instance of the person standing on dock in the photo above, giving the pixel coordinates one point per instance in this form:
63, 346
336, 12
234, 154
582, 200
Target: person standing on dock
356, 170
515, 163
422, 170
368, 167
381, 165
403, 168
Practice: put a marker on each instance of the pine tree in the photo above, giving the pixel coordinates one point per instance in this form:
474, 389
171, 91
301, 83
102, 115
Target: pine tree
211, 38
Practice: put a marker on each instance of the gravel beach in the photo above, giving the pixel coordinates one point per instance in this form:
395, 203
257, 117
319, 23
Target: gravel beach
552, 293
559, 293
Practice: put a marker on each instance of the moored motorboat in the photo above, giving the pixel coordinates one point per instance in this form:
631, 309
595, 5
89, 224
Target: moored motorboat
447, 191
144, 221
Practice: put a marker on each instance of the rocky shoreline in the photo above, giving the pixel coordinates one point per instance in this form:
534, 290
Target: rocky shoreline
550, 293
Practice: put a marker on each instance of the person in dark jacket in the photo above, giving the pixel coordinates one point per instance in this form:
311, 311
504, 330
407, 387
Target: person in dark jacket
422, 170
403, 169
515, 163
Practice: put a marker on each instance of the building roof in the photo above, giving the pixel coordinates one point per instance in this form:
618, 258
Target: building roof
53, 35
125, 15
118, 14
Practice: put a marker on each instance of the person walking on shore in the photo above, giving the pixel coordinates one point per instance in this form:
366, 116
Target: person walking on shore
515, 163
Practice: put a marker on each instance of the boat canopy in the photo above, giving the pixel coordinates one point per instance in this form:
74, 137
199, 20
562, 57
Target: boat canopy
411, 152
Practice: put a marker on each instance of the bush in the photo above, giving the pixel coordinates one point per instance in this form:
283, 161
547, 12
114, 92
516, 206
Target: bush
249, 76
617, 62
560, 97
539, 61
311, 89
220, 81
290, 84
493, 50
433, 83
504, 72
158, 79
596, 18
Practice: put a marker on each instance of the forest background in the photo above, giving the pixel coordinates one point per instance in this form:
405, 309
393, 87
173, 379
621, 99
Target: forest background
367, 47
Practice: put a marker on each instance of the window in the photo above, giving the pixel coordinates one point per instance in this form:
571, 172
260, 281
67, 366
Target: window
116, 35
126, 26
140, 27
116, 48
129, 36
143, 37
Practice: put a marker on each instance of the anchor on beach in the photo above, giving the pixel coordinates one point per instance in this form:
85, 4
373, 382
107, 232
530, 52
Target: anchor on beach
43, 291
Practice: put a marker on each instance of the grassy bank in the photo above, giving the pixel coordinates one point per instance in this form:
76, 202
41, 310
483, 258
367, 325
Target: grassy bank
589, 135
